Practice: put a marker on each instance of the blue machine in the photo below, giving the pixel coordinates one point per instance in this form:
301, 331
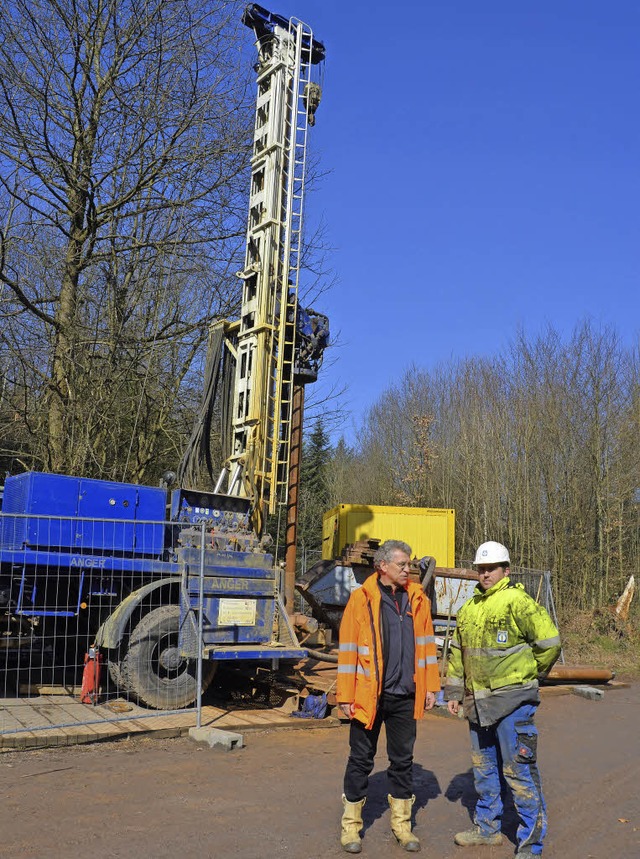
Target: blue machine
74, 499
131, 566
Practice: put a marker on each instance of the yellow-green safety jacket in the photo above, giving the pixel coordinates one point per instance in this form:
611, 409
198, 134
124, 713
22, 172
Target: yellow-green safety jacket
503, 642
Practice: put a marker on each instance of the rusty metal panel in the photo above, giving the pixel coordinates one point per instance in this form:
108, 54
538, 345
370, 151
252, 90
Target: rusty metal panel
451, 594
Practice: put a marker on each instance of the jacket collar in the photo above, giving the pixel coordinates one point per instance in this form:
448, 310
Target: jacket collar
503, 583
370, 586
371, 589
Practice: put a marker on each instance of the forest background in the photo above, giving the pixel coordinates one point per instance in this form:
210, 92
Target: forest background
125, 135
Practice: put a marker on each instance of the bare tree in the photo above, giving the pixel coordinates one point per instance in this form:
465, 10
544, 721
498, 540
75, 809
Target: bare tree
123, 145
536, 447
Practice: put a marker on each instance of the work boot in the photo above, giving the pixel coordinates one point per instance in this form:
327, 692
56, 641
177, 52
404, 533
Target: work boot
475, 838
401, 823
351, 825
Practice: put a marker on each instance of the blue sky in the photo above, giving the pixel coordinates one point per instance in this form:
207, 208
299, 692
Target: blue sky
484, 167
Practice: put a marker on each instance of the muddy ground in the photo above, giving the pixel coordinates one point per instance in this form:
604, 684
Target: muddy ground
280, 795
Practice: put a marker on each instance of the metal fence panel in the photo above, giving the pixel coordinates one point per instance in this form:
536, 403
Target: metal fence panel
70, 583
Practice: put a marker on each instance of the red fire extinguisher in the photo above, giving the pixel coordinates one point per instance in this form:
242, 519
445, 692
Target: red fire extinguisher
91, 676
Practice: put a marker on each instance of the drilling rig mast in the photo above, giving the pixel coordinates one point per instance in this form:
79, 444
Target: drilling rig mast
275, 345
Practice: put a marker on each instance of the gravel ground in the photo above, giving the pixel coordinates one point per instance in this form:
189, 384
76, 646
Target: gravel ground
279, 796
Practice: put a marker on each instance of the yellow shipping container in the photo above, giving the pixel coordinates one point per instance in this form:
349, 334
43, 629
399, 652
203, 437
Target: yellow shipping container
428, 530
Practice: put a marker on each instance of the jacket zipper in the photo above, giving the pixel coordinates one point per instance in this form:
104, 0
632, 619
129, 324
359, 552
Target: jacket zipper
374, 639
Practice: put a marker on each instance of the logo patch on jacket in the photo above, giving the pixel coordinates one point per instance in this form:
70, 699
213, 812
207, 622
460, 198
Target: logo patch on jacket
502, 637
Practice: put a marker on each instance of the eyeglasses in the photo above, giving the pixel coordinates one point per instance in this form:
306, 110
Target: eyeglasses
402, 565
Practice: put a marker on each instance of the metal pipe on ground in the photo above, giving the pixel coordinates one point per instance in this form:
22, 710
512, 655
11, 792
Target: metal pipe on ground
582, 673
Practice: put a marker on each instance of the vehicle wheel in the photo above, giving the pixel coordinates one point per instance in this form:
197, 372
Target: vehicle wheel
115, 672
153, 671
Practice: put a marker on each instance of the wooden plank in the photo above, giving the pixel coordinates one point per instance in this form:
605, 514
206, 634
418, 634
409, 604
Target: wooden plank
550, 691
74, 731
45, 689
8, 720
66, 711
215, 720
65, 735
10, 717
455, 573
237, 719
104, 721
101, 728
49, 713
262, 718
26, 740
28, 717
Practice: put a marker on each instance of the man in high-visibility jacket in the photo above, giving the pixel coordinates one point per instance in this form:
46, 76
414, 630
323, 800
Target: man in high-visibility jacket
503, 644
387, 672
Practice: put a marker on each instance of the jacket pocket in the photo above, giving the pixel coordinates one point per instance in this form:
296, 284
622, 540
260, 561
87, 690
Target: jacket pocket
364, 679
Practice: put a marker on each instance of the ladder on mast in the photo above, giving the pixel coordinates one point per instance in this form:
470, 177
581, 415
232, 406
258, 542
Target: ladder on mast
281, 389
263, 340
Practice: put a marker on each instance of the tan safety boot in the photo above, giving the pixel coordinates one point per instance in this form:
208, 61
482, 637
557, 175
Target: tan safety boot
475, 838
351, 825
401, 823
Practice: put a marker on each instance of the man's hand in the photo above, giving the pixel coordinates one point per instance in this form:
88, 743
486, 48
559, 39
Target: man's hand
453, 707
348, 710
430, 701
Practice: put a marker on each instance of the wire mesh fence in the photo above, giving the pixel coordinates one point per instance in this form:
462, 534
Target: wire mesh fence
92, 608
537, 583
116, 611
120, 611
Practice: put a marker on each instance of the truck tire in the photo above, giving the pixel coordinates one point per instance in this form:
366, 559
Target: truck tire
115, 672
153, 672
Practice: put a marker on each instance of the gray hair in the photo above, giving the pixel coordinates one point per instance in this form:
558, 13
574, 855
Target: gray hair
386, 551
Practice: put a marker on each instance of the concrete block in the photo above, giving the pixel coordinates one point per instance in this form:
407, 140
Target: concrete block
217, 739
589, 692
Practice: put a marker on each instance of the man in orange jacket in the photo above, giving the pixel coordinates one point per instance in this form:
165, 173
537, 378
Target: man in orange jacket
387, 672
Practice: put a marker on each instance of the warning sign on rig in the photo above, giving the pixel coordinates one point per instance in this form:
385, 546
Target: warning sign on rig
237, 612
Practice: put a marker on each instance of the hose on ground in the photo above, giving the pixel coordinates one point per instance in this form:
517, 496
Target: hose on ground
323, 657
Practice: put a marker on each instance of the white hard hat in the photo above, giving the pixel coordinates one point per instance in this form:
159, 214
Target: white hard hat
492, 553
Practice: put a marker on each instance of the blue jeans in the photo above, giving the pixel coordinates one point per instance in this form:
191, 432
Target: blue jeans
509, 747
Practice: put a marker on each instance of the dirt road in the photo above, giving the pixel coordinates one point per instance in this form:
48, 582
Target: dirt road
280, 795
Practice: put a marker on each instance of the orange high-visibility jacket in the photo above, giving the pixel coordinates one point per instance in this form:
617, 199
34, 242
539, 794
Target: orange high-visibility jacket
360, 664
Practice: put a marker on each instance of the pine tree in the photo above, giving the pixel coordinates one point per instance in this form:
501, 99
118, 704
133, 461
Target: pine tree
314, 493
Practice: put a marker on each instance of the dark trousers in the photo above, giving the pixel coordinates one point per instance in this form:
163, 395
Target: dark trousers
400, 725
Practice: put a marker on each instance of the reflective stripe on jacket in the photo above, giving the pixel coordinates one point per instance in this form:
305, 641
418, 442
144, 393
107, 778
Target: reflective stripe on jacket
360, 661
503, 641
